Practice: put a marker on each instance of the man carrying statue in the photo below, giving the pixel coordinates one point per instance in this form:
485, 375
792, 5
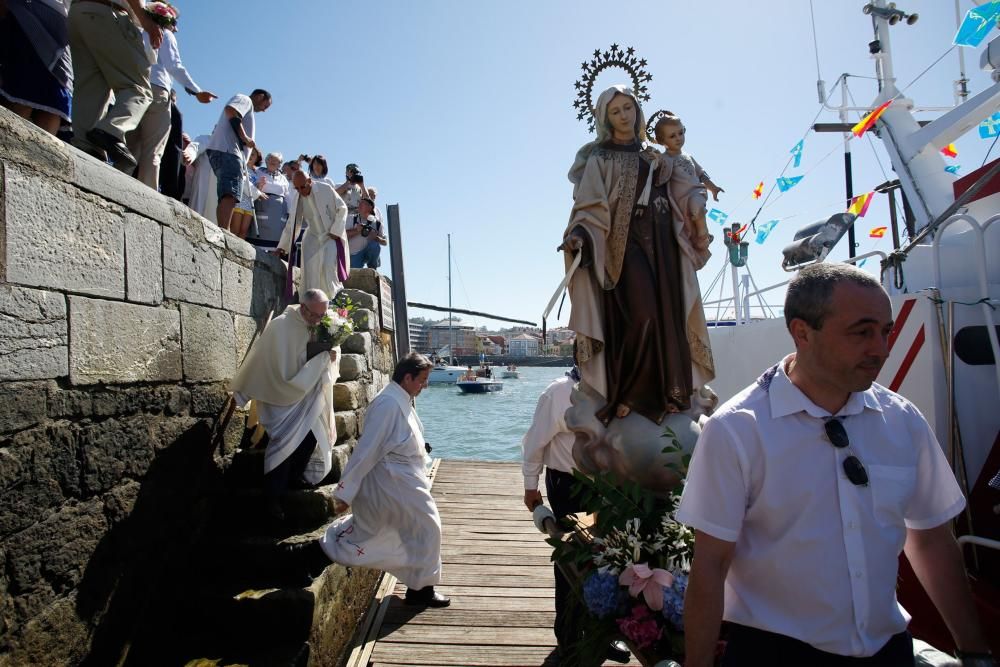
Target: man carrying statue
293, 390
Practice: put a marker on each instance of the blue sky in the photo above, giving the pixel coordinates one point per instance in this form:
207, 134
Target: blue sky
461, 112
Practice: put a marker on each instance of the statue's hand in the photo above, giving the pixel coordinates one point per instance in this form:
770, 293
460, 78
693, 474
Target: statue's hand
572, 244
575, 242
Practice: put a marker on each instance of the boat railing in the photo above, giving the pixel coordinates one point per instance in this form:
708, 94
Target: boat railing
984, 296
758, 292
979, 541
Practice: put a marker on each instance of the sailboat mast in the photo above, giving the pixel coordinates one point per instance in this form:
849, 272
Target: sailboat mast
451, 337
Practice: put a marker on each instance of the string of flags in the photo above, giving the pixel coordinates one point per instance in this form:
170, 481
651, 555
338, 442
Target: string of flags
763, 230
787, 183
759, 190
866, 123
877, 232
797, 153
859, 205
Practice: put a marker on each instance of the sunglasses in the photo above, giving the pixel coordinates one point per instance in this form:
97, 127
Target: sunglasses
853, 468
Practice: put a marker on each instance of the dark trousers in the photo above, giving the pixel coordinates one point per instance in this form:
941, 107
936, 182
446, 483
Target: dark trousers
290, 470
557, 487
750, 646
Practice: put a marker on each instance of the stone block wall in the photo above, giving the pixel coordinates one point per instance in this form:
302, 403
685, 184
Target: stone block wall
123, 315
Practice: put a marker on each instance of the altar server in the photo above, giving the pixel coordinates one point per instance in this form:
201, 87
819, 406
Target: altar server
394, 525
294, 396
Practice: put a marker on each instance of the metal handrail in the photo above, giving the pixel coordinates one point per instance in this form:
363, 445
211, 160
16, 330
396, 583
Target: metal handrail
849, 260
979, 541
980, 232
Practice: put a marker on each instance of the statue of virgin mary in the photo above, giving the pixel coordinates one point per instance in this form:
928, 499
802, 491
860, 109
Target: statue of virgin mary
642, 341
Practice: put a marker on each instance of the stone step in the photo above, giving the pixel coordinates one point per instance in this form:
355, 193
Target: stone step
246, 471
242, 512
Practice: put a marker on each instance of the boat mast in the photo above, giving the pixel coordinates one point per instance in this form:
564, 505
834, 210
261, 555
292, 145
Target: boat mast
451, 337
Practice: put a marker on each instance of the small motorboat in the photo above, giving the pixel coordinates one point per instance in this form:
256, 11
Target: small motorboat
480, 385
511, 372
445, 374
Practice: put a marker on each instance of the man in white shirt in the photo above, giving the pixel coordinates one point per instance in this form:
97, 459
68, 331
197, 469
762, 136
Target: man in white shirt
109, 57
148, 141
548, 444
805, 487
230, 145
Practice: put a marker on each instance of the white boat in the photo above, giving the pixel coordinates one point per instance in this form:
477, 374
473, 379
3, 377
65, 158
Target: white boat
444, 374
510, 372
944, 348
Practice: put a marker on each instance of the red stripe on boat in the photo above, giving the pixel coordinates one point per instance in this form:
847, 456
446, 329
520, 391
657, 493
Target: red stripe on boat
904, 312
911, 355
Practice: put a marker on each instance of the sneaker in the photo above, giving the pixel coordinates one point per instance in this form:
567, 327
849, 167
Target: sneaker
117, 151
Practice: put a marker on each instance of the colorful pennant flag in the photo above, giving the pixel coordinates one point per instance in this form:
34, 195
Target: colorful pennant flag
865, 123
759, 190
765, 229
877, 232
786, 184
735, 236
717, 216
859, 205
990, 127
797, 152
950, 151
953, 168
977, 24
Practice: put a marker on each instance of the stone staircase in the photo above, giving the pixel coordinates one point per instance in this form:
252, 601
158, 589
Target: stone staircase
236, 600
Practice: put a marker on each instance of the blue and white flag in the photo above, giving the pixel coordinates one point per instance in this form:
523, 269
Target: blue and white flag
765, 229
797, 152
786, 184
990, 127
953, 168
717, 216
977, 24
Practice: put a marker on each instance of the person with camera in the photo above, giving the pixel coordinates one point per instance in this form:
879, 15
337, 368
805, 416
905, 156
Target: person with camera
352, 189
365, 237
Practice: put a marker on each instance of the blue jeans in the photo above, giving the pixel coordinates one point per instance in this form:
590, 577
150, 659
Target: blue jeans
369, 256
228, 174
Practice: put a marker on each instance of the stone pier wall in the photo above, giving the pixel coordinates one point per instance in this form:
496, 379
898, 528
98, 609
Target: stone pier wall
122, 317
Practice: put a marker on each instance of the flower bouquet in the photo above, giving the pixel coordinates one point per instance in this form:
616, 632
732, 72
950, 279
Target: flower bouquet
631, 569
162, 13
333, 329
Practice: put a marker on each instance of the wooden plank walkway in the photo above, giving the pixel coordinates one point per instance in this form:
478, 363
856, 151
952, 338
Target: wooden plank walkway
496, 569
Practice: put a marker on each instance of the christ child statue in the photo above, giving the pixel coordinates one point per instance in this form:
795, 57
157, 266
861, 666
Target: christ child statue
688, 184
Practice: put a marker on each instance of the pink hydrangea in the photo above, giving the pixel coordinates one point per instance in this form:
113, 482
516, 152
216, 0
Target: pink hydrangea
641, 627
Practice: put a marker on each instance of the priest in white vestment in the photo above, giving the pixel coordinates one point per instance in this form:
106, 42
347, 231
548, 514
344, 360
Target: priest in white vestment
394, 524
324, 245
294, 397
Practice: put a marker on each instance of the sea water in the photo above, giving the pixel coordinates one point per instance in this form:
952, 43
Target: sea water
483, 427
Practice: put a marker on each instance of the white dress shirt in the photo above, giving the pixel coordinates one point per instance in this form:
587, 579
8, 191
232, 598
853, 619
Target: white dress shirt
816, 556
548, 442
168, 64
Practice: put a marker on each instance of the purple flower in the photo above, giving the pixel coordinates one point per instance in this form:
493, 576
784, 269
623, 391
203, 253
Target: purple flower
602, 594
673, 601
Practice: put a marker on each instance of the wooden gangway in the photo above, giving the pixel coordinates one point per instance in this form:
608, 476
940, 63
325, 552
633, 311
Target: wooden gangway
496, 569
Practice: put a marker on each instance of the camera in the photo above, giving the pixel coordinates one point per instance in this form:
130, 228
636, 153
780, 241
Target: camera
368, 225
356, 178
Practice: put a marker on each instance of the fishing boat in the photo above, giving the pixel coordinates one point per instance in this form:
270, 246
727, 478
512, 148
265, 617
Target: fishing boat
944, 284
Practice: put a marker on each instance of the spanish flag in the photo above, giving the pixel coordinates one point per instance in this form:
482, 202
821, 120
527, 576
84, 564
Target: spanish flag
759, 190
877, 233
859, 205
865, 123
950, 150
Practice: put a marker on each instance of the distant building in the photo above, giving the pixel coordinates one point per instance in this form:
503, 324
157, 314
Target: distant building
499, 341
523, 345
420, 337
461, 338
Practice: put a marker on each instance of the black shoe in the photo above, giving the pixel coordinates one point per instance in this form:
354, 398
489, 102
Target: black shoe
307, 557
118, 152
553, 659
618, 651
426, 597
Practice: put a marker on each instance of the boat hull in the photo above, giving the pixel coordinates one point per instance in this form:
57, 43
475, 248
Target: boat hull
474, 387
445, 374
